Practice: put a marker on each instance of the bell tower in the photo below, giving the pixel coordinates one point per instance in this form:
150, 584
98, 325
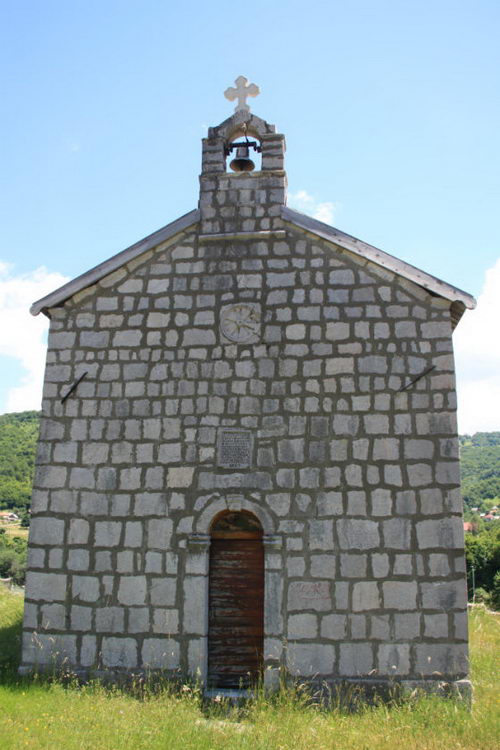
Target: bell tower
242, 201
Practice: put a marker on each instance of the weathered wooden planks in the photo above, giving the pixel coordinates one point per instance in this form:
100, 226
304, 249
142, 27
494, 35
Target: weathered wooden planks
236, 612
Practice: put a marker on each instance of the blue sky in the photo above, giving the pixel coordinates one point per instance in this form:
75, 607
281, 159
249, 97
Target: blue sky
390, 111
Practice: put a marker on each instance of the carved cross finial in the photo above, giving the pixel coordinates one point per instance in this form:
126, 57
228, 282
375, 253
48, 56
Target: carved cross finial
241, 92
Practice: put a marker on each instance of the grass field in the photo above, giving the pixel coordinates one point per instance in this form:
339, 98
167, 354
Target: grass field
37, 714
14, 529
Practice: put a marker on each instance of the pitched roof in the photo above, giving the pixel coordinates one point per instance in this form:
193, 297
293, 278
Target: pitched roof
97, 273
459, 299
371, 253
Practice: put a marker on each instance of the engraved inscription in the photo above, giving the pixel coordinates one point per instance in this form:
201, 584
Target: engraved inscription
234, 448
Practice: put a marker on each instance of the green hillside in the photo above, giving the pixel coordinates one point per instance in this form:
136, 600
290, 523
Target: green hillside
480, 469
18, 436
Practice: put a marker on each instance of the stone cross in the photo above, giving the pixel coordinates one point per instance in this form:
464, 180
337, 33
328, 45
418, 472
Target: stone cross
241, 92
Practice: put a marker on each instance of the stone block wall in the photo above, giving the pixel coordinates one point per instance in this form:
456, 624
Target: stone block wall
353, 471
356, 481
248, 201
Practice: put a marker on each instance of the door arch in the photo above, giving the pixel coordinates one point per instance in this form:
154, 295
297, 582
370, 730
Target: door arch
235, 600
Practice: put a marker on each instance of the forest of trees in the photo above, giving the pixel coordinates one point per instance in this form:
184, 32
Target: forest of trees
18, 436
480, 467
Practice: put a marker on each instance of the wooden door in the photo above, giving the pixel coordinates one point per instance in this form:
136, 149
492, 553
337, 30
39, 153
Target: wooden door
236, 602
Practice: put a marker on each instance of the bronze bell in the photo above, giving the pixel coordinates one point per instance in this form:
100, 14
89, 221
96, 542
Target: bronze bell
242, 161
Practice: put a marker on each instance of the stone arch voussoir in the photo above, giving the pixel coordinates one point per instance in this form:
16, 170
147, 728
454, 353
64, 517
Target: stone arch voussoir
234, 503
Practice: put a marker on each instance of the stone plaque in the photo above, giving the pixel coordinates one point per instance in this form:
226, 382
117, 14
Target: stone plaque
234, 448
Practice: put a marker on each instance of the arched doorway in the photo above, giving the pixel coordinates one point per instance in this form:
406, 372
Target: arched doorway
235, 601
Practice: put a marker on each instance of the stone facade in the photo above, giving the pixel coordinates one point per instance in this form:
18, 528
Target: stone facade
353, 470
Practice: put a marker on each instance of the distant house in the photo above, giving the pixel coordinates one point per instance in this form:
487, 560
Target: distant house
9, 517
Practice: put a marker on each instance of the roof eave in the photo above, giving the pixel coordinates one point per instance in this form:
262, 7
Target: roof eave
381, 258
95, 274
457, 297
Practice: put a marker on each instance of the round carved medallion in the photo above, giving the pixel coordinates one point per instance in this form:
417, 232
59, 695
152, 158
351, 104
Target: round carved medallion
241, 322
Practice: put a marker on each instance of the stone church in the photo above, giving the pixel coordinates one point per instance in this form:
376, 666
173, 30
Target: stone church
248, 457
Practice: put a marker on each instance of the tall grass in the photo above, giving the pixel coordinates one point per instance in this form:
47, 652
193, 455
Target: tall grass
14, 528
44, 714
11, 614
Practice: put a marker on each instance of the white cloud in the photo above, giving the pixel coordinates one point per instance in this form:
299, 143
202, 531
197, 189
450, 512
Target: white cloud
302, 201
21, 335
477, 355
